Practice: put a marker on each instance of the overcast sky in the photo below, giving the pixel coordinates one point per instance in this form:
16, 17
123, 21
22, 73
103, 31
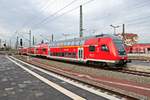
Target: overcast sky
44, 18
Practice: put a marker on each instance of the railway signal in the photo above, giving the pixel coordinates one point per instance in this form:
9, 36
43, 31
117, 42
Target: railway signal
52, 37
21, 42
4, 44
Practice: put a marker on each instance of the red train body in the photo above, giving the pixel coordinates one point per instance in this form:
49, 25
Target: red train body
102, 49
23, 51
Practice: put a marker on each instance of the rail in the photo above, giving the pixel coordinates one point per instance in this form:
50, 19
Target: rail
139, 73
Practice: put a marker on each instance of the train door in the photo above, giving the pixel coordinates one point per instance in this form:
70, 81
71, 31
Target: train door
49, 51
80, 54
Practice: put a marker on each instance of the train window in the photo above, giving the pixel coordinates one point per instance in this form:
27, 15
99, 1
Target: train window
74, 54
65, 43
77, 42
56, 44
60, 54
70, 43
91, 48
57, 54
104, 48
44, 49
51, 54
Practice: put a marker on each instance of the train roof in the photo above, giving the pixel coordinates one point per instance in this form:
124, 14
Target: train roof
81, 41
84, 38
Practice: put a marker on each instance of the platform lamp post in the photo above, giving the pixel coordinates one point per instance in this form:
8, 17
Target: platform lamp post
114, 27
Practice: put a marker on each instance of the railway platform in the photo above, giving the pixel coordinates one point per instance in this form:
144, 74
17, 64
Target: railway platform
21, 82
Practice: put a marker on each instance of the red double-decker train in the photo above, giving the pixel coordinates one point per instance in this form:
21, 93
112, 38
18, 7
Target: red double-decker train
101, 49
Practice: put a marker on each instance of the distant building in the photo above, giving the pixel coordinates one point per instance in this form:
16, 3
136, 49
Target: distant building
139, 48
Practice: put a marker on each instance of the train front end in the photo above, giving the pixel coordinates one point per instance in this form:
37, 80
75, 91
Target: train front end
120, 52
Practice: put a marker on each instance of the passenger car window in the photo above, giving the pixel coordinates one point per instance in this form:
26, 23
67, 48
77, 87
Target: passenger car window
44, 49
104, 48
91, 48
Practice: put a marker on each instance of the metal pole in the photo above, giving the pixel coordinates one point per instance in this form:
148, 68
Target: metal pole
123, 32
10, 43
17, 43
123, 29
30, 38
52, 37
33, 41
28, 58
81, 22
5, 45
0, 43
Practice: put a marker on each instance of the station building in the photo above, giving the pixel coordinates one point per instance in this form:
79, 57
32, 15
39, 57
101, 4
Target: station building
139, 48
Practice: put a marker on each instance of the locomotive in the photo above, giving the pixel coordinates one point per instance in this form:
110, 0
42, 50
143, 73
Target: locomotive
101, 49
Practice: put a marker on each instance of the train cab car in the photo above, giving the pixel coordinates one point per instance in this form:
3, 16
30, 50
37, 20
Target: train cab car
105, 49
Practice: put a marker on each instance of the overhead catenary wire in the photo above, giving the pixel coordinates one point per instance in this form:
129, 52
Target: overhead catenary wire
143, 20
55, 13
41, 10
131, 10
31, 20
44, 20
54, 18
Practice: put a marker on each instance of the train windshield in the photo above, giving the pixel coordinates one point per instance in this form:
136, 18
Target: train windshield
120, 46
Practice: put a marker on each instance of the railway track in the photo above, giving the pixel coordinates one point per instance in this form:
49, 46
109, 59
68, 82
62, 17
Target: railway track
128, 71
134, 72
122, 70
